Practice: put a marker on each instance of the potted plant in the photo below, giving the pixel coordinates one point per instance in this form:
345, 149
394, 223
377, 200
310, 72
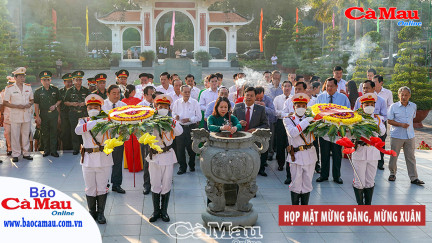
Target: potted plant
147, 58
234, 62
115, 59
410, 71
203, 57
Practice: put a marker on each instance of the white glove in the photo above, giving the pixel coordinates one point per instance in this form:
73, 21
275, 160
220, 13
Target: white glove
309, 119
91, 124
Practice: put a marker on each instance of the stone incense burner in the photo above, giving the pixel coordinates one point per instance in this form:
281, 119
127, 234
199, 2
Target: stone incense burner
231, 165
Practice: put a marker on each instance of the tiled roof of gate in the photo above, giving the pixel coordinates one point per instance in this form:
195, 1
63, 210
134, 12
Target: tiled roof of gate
134, 16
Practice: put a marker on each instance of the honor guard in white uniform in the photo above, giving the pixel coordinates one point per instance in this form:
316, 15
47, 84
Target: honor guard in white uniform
96, 165
19, 98
301, 151
161, 165
365, 158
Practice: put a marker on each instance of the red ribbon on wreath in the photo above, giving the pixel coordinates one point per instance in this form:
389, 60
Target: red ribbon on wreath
373, 141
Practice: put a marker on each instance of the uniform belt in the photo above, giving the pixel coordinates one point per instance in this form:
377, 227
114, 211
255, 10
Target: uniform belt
302, 148
93, 150
190, 125
361, 143
164, 149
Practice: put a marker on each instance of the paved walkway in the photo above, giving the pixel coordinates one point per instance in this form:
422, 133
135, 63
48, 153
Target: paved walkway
128, 214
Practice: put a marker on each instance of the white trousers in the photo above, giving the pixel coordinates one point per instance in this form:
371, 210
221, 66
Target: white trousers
95, 179
160, 177
7, 134
20, 130
366, 170
301, 178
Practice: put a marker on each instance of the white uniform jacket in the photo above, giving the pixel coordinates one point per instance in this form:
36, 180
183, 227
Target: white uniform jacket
294, 130
95, 159
370, 152
169, 157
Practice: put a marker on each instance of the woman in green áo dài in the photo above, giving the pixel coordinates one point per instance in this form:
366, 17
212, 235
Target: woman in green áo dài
220, 119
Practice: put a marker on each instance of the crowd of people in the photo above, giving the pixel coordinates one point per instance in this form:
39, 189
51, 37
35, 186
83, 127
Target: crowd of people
62, 118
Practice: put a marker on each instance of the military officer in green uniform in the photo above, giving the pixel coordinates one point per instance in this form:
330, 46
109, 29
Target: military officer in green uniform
47, 100
101, 84
75, 100
65, 129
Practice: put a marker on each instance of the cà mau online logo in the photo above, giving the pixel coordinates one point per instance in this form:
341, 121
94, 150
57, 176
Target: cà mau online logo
357, 13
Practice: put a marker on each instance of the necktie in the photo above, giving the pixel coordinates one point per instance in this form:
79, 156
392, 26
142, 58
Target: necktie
331, 99
247, 119
113, 105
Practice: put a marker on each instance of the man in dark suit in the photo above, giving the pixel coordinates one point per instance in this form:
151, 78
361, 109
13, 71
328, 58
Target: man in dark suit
251, 117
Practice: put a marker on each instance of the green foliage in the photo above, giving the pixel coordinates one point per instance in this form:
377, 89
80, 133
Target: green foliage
410, 70
305, 42
371, 57
72, 43
89, 63
40, 50
148, 56
202, 56
271, 41
332, 55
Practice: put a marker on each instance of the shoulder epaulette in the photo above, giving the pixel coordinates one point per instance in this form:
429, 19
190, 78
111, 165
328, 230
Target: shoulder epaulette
27, 84
10, 85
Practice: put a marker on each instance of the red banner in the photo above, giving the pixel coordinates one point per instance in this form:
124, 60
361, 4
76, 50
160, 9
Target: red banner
54, 19
261, 33
352, 215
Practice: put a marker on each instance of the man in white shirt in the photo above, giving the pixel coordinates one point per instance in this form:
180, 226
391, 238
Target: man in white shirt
337, 74
233, 90
112, 102
274, 60
381, 91
190, 80
187, 112
300, 87
165, 86
144, 79
281, 139
148, 96
177, 93
209, 94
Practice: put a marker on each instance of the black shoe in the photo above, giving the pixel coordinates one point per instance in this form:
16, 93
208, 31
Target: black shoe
28, 157
321, 179
262, 173
417, 182
1, 161
9, 153
101, 201
118, 189
287, 181
91, 203
180, 172
338, 180
146, 191
192, 169
45, 154
270, 158
265, 165
280, 168
164, 207
75, 152
295, 198
380, 167
15, 159
55, 155
359, 195
156, 207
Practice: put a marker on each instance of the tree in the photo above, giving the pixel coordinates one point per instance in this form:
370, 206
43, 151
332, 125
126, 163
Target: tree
305, 42
410, 69
9, 52
40, 50
332, 55
370, 57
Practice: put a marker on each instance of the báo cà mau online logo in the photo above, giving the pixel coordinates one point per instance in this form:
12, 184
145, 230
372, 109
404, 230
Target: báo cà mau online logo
357, 13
